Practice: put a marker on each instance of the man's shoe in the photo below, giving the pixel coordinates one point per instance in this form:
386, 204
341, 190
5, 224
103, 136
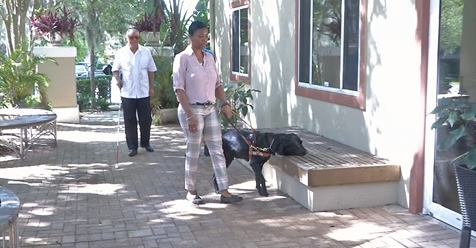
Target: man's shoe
230, 199
132, 152
195, 199
149, 148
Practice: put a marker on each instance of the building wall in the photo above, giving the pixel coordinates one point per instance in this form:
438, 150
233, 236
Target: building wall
62, 86
468, 52
62, 82
390, 125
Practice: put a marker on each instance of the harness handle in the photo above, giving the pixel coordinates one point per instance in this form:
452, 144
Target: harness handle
252, 150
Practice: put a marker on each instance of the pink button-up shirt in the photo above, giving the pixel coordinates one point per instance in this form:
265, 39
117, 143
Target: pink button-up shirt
198, 81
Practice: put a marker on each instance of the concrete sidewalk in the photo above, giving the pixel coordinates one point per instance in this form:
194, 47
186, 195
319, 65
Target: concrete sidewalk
76, 195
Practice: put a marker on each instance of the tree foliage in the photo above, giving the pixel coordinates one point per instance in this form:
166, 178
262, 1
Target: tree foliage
451, 26
201, 11
175, 26
99, 17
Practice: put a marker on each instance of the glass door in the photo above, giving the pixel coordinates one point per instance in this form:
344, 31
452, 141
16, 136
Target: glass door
451, 75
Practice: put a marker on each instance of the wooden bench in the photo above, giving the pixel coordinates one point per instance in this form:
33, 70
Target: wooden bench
333, 175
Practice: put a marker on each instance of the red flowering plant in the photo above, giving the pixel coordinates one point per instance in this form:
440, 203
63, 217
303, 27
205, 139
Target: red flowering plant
148, 23
53, 25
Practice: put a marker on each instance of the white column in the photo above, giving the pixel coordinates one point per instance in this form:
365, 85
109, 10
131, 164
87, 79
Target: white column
62, 86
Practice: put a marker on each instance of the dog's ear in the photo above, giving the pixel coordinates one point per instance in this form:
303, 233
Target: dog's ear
263, 139
268, 138
277, 144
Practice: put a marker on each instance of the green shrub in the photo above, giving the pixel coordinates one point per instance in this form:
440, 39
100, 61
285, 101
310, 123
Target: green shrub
84, 98
19, 79
156, 120
34, 101
163, 84
3, 102
102, 103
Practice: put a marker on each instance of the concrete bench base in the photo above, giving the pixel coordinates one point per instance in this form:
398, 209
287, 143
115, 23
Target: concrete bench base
67, 114
332, 175
333, 197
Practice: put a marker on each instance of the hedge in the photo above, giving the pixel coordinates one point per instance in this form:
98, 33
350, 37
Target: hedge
103, 86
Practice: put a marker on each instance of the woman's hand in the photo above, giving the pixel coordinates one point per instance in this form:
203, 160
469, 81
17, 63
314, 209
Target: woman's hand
192, 123
226, 110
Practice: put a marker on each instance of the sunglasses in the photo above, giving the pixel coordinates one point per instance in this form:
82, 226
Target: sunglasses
133, 37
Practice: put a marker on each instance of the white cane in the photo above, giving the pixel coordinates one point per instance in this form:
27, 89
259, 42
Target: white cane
114, 83
118, 135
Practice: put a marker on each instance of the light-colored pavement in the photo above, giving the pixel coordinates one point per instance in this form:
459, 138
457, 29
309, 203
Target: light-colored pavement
76, 195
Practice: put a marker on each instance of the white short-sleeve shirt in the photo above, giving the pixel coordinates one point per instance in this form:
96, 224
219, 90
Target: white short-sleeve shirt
134, 68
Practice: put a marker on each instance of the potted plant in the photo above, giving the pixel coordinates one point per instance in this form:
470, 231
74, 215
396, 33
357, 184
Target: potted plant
148, 26
457, 115
54, 25
240, 99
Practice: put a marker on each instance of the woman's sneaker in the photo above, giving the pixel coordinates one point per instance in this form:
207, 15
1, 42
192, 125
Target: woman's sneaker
230, 199
195, 199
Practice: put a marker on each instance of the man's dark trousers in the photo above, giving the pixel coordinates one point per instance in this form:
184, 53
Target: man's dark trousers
141, 106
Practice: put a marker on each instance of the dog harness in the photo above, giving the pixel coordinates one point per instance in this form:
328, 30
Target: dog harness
257, 151
253, 150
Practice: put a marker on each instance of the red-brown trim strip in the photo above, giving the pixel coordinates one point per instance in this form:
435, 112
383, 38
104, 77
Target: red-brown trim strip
234, 76
238, 3
418, 167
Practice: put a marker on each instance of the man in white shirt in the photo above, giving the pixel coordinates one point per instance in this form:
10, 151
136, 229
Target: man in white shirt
134, 70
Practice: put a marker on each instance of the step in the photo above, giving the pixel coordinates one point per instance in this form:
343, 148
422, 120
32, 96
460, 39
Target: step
333, 175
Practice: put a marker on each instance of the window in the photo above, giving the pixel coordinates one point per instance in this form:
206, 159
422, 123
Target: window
329, 48
240, 49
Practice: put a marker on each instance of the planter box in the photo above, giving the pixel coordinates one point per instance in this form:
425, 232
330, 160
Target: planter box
168, 115
151, 38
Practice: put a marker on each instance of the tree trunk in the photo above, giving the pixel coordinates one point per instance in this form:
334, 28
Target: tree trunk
15, 19
37, 4
92, 63
24, 6
7, 20
92, 34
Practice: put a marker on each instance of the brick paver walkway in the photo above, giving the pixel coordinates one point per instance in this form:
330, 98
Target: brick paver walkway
77, 196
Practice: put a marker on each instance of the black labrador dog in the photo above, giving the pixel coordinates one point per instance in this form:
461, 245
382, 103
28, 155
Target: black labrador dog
234, 146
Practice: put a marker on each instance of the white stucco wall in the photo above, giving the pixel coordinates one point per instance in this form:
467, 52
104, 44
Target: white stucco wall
468, 52
388, 127
61, 90
222, 38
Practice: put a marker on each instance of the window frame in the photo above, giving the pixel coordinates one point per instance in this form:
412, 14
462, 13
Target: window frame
349, 98
237, 5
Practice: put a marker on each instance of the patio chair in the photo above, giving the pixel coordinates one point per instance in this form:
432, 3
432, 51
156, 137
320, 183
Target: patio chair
465, 179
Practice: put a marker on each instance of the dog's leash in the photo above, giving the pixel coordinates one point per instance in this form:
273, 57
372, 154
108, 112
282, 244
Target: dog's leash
252, 150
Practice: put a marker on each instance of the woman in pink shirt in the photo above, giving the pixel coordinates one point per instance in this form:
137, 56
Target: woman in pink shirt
197, 87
